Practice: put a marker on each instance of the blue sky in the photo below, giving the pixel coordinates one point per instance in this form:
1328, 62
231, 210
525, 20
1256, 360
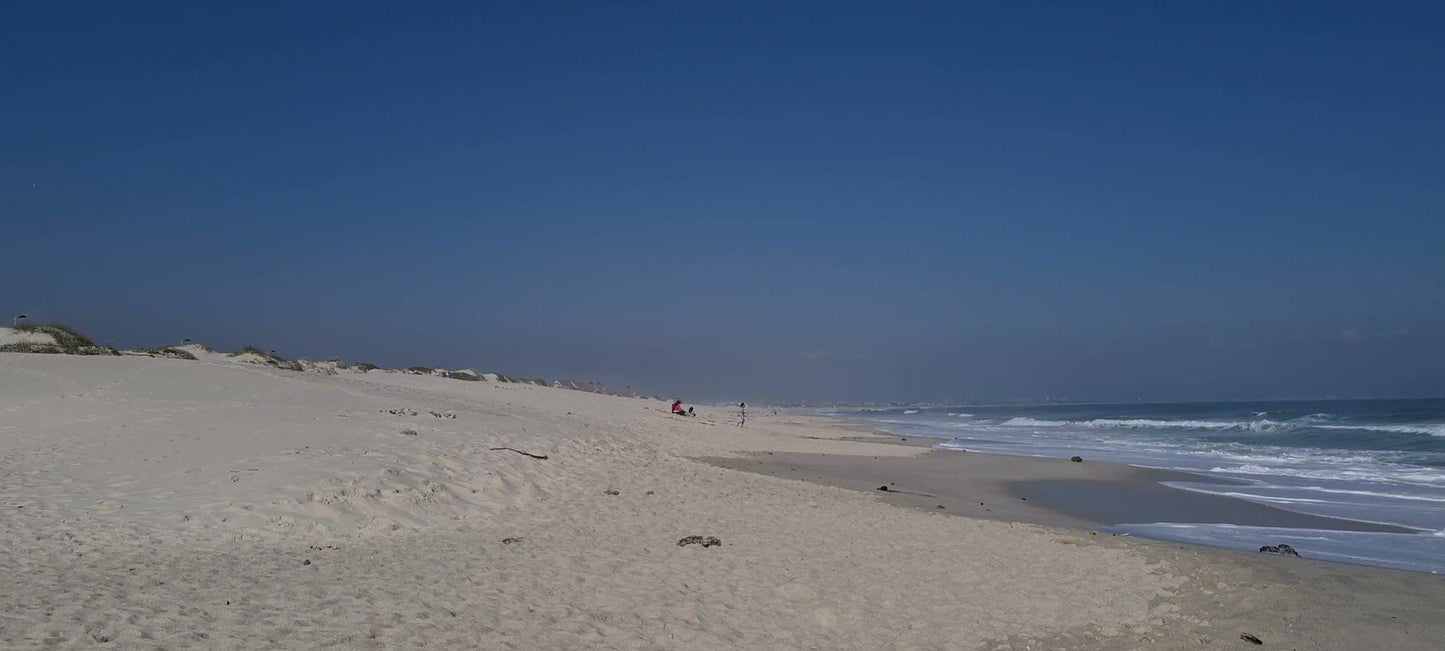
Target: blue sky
770, 201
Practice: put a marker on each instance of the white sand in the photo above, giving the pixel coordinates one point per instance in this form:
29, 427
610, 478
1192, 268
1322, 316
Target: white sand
161, 503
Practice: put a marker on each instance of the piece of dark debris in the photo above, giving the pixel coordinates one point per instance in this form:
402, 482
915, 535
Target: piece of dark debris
705, 541
1283, 549
534, 456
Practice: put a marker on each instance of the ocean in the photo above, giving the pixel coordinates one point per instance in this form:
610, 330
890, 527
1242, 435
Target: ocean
1371, 460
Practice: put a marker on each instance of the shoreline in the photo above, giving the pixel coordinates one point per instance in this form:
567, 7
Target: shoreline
1034, 490
1300, 602
1091, 495
1067, 498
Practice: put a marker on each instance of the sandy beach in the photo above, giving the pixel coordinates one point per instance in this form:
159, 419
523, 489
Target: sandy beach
216, 503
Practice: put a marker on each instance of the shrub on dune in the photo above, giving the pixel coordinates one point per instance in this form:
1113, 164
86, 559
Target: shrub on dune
63, 339
263, 357
65, 336
30, 347
169, 353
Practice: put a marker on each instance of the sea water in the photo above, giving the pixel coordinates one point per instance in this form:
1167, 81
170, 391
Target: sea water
1377, 461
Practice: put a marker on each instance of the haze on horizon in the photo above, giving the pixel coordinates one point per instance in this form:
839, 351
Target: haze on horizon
837, 201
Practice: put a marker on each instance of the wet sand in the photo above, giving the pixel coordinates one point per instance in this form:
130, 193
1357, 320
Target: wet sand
1295, 603
1054, 492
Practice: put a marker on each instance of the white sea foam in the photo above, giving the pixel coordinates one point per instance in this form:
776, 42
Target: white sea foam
1381, 471
911, 411
1406, 551
1270, 498
1421, 476
1285, 456
1393, 496
1024, 421
1429, 429
1260, 425
1141, 423
1186, 424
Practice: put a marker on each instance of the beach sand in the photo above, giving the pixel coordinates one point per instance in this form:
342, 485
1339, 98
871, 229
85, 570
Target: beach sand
155, 503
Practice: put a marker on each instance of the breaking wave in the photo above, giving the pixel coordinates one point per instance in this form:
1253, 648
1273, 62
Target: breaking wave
1024, 421
1344, 474
1260, 425
1429, 429
1369, 461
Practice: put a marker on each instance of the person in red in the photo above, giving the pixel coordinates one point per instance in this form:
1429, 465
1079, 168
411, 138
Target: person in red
677, 408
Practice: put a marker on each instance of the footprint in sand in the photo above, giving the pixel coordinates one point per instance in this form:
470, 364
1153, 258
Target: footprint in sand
825, 617
796, 593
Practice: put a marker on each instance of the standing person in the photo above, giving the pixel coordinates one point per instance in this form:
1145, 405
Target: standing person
742, 414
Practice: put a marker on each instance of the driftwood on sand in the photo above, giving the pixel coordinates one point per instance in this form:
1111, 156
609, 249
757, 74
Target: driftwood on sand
534, 456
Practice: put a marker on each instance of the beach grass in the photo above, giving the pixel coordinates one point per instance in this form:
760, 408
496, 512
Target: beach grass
67, 340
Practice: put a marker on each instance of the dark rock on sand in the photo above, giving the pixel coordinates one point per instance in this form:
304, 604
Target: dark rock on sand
1281, 549
611, 492
509, 541
705, 541
1076, 459
883, 488
1250, 638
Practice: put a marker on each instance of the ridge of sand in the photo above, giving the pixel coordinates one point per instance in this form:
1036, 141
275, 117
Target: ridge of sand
158, 502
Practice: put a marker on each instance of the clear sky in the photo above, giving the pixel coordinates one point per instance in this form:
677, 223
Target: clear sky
779, 201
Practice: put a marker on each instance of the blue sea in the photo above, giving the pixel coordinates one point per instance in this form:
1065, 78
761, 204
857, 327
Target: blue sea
1371, 460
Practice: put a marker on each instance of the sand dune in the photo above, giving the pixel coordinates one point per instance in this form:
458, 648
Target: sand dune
216, 503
